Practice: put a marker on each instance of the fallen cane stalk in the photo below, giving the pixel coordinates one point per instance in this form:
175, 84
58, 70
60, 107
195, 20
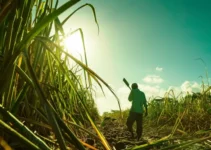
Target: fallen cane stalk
4, 144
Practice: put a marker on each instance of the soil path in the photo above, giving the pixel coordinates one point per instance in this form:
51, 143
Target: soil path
119, 138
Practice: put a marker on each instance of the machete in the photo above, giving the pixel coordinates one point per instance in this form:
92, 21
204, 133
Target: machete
125, 81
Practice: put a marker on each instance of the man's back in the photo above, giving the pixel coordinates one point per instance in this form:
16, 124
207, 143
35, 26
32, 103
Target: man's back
136, 112
138, 100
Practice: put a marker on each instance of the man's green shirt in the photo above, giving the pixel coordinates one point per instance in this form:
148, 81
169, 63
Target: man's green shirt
138, 100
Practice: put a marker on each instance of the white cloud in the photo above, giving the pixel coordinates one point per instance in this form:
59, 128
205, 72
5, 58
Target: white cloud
190, 87
152, 91
186, 87
174, 91
159, 69
153, 79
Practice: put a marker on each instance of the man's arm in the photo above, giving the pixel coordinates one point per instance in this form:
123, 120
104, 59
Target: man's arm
145, 105
130, 97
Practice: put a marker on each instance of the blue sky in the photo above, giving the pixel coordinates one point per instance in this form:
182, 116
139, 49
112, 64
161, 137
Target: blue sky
152, 42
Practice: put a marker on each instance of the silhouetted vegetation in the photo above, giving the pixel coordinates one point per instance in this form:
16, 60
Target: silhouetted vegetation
46, 99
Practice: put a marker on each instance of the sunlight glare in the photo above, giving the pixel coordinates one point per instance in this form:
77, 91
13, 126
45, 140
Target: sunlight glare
73, 44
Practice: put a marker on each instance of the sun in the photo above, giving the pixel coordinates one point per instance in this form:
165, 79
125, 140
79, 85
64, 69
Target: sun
74, 45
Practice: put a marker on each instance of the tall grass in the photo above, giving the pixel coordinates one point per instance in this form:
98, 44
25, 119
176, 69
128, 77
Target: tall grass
39, 91
187, 118
189, 113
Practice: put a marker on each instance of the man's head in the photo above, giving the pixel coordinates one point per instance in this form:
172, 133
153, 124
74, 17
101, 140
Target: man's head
134, 86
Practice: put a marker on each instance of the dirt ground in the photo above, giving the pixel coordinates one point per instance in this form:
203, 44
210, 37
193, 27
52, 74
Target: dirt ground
118, 136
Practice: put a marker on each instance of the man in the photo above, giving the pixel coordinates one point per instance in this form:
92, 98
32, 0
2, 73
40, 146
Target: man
136, 112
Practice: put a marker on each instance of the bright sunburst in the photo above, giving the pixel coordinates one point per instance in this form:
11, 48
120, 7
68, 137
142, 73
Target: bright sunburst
73, 44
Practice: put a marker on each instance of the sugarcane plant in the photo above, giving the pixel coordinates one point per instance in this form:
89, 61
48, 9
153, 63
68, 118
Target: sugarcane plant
41, 93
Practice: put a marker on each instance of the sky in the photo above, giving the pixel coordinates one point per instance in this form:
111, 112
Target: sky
159, 44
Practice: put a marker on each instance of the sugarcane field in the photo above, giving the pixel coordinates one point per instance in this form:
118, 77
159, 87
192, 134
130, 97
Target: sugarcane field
105, 75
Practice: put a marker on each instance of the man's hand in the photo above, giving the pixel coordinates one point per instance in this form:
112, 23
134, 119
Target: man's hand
146, 113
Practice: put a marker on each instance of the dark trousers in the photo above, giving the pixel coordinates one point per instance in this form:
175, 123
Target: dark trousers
133, 116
